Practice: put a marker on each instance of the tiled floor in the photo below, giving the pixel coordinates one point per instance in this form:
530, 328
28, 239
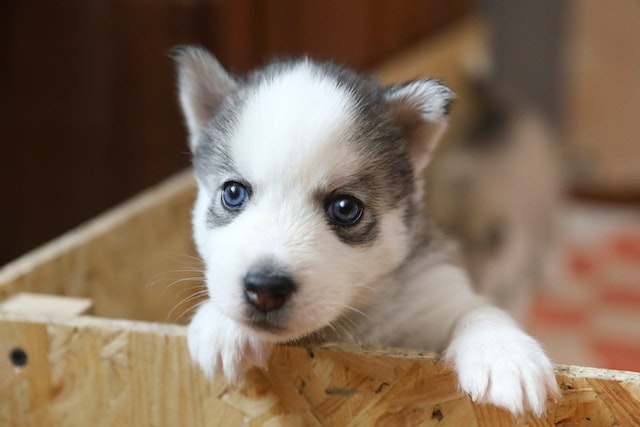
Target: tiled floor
588, 312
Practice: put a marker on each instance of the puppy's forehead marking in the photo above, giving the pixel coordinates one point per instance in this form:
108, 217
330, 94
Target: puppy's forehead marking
292, 123
305, 130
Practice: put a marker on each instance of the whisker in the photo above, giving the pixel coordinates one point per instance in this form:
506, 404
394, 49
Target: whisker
333, 326
190, 297
345, 320
194, 281
199, 282
346, 334
193, 307
179, 257
159, 278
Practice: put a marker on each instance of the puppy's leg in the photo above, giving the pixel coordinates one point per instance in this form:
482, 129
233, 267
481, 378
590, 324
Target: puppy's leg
221, 346
496, 361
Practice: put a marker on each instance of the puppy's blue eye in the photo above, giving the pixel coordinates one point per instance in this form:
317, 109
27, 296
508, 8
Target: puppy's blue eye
345, 210
234, 195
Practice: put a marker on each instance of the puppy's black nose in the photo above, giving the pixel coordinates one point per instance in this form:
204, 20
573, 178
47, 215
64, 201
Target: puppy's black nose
267, 290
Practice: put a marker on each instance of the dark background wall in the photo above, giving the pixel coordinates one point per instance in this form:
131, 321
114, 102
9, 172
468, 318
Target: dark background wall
528, 47
88, 115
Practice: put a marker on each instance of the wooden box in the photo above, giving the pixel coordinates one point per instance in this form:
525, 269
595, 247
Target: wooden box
91, 335
124, 364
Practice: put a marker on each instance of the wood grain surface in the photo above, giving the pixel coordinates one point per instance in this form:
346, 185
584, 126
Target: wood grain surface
91, 371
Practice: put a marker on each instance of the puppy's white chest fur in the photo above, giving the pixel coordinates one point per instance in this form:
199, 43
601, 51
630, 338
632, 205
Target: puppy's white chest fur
310, 222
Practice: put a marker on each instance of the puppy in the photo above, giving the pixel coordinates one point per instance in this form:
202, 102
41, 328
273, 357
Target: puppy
310, 222
496, 188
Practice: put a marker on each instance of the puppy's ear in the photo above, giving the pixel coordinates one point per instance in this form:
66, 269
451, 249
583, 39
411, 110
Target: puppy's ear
203, 84
421, 108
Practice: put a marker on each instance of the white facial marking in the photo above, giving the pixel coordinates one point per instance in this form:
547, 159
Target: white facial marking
295, 129
291, 143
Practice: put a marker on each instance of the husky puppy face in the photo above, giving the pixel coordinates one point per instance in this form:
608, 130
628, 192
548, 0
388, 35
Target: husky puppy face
309, 188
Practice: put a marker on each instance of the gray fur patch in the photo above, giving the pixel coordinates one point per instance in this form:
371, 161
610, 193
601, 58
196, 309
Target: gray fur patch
385, 180
212, 160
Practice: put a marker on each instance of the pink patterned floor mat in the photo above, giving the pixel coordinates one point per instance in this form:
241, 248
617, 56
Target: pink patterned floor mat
588, 312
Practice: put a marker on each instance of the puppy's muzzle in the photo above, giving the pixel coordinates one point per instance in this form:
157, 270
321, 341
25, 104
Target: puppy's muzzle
267, 290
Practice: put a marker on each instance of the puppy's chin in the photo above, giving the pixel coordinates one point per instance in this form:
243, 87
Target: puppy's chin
265, 326
273, 324
279, 326
276, 327
272, 332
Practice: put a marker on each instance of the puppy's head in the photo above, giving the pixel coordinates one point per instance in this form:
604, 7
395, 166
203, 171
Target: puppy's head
308, 185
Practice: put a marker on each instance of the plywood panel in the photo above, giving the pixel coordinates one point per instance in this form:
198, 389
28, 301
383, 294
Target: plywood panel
88, 371
126, 260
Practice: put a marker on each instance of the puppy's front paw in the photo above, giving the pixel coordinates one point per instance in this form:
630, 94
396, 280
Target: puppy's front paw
221, 347
498, 363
